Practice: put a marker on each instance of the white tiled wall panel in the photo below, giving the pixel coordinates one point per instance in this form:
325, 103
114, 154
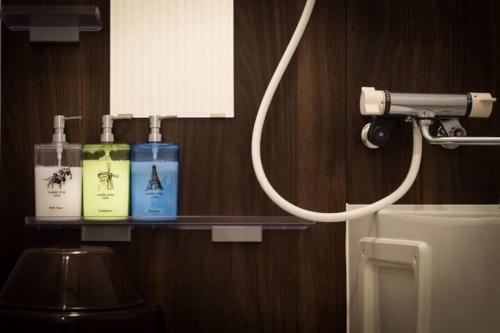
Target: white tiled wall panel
172, 57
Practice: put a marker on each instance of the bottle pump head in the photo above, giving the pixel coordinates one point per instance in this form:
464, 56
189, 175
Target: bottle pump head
154, 125
107, 126
59, 120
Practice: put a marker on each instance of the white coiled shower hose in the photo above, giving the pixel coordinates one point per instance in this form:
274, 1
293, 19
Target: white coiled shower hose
257, 135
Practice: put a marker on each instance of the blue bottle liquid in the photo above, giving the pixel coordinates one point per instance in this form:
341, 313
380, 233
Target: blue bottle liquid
154, 181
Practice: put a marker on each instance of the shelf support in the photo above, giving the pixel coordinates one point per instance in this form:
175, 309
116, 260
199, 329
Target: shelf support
236, 234
105, 234
52, 24
54, 35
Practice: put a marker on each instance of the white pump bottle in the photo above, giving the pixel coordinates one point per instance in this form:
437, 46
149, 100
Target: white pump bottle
58, 175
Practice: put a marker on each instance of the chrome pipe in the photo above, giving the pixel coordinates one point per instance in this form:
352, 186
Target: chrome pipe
455, 140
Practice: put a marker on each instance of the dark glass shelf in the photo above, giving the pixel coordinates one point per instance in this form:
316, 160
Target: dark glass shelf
56, 24
180, 222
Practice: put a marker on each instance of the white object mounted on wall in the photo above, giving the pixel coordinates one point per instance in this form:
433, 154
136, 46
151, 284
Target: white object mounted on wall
454, 276
398, 255
172, 58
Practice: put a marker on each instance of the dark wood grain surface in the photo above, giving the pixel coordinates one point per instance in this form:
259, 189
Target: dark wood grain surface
424, 46
294, 281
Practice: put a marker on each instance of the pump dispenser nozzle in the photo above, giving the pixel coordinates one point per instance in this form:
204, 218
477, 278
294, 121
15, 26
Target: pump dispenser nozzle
154, 125
107, 126
59, 138
59, 120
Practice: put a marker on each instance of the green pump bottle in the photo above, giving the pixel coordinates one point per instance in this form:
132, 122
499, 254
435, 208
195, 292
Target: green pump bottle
106, 175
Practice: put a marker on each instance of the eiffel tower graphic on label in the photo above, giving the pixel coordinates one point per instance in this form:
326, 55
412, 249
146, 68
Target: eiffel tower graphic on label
154, 181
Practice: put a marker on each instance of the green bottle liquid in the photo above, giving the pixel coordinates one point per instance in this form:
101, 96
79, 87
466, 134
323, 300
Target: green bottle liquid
106, 180
106, 175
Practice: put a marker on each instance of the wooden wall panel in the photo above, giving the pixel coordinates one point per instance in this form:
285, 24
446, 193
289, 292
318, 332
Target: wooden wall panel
423, 46
293, 281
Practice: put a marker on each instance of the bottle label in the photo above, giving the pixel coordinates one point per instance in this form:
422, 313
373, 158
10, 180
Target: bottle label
105, 184
58, 180
58, 191
105, 188
154, 188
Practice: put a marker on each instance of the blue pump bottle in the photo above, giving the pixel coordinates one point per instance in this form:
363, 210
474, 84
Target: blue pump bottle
154, 177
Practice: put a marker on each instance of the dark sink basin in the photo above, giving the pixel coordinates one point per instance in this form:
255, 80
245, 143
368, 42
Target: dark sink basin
84, 287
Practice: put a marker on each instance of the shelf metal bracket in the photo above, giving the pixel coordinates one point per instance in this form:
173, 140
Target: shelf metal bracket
54, 34
105, 234
236, 234
52, 24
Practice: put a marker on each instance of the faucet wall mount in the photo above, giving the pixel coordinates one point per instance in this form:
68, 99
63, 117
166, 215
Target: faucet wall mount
446, 109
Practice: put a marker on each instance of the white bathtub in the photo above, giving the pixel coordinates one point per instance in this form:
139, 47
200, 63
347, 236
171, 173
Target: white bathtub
425, 269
